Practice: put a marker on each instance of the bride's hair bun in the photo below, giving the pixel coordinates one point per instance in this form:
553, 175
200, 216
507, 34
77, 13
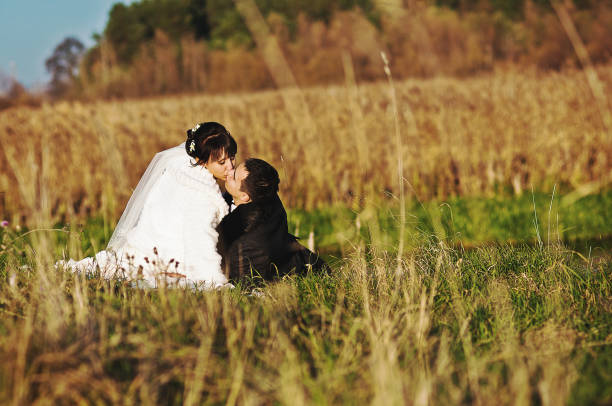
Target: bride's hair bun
209, 139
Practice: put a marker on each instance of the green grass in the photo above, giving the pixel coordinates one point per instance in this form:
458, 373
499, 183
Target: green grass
497, 323
466, 221
481, 325
583, 224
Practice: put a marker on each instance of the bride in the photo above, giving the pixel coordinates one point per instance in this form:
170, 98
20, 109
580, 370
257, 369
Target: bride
167, 230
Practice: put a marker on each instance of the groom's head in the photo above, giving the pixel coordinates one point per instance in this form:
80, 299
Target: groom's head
254, 180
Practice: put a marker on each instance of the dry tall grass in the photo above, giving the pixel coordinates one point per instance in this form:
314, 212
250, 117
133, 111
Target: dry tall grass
508, 131
501, 326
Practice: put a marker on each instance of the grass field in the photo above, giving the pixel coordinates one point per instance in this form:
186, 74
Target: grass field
501, 295
493, 325
544, 219
457, 321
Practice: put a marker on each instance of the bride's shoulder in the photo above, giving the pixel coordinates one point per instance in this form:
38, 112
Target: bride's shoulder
182, 170
185, 171
176, 153
200, 188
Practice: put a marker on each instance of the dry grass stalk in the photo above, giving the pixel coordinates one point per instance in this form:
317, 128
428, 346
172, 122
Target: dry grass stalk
477, 136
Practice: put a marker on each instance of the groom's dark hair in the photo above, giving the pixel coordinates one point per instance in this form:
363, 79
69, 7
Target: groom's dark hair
261, 184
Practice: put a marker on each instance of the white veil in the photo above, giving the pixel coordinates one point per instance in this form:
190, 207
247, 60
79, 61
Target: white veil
131, 215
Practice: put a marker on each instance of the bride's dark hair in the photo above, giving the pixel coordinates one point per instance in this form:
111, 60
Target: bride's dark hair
209, 139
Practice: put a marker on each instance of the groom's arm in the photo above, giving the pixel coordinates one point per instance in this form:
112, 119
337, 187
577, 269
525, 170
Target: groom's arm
246, 259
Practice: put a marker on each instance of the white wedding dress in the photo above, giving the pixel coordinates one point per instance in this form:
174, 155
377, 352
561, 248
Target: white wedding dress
168, 227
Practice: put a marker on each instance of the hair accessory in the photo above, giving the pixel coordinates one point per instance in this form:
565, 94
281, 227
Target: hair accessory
195, 128
192, 146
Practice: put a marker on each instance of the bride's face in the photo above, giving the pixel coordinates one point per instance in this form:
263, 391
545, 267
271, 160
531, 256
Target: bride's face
221, 166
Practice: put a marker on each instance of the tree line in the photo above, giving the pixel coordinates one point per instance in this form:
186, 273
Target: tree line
168, 46
220, 23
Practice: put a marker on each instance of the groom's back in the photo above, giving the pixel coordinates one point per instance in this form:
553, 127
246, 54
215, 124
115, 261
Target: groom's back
254, 241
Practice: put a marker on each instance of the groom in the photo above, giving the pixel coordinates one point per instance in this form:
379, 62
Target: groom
253, 239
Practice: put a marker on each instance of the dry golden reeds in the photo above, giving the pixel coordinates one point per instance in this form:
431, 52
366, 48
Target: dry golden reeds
504, 132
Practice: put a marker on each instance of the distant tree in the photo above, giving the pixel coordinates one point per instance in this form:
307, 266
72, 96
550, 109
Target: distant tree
199, 19
5, 83
227, 25
63, 65
129, 26
13, 93
217, 21
510, 8
126, 31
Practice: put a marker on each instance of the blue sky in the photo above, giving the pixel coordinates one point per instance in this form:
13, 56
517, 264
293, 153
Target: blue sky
30, 30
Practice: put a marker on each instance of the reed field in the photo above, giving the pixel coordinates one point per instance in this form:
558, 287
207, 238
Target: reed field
456, 285
503, 133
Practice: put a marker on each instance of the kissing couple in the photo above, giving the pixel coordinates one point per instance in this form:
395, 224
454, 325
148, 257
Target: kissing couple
178, 228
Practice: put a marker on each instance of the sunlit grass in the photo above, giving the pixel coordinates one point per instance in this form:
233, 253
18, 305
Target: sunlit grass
503, 324
494, 325
502, 133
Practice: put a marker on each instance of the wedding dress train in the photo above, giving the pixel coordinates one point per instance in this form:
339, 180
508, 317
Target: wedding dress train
168, 228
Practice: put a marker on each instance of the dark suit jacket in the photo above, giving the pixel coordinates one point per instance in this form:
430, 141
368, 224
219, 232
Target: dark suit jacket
254, 241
